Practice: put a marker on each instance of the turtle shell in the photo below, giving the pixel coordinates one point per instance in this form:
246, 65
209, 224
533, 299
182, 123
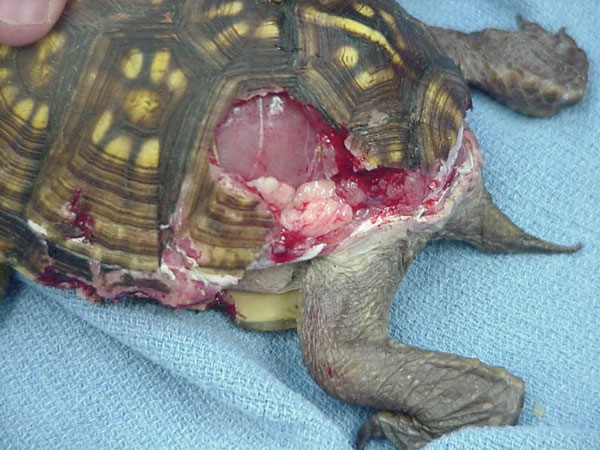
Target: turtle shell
107, 126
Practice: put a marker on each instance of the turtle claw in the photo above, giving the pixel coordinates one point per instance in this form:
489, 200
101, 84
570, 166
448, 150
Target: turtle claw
526, 25
403, 432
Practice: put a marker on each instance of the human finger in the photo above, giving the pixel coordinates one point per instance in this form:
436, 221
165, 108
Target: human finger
25, 21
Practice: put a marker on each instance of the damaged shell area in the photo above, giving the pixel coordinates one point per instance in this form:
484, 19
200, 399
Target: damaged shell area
280, 158
275, 151
322, 197
162, 151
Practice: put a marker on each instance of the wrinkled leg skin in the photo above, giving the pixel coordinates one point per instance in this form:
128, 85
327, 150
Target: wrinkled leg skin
345, 301
532, 70
420, 395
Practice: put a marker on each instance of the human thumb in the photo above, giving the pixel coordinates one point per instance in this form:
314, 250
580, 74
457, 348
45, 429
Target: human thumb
25, 21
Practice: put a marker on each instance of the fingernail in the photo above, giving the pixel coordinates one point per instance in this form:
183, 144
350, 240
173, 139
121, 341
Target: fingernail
24, 12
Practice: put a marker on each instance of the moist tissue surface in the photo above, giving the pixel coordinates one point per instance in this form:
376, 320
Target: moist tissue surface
320, 194
80, 370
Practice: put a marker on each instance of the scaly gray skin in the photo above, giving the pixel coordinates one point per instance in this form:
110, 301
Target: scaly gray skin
343, 332
345, 301
532, 70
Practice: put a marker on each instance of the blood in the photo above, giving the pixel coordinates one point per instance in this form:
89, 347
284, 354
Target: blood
51, 277
329, 372
80, 218
288, 245
294, 160
224, 302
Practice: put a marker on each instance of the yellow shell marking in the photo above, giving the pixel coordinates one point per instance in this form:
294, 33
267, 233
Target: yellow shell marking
142, 107
347, 56
91, 76
363, 9
177, 81
434, 98
267, 30
396, 154
4, 73
9, 93
5, 246
359, 29
367, 79
40, 71
40, 74
239, 28
50, 45
132, 64
149, 154
119, 147
391, 22
24, 108
388, 18
40, 119
102, 127
438, 97
160, 65
225, 10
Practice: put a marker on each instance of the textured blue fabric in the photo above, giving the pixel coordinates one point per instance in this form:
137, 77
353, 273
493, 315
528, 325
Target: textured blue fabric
137, 375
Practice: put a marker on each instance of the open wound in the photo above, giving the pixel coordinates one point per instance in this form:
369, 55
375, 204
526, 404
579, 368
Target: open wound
318, 191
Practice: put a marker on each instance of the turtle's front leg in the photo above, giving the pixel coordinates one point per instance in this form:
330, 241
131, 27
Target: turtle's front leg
531, 70
420, 395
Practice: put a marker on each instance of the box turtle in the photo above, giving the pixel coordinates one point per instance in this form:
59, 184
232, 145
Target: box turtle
285, 160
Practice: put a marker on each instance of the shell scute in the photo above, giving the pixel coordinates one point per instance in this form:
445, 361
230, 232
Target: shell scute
398, 69
119, 106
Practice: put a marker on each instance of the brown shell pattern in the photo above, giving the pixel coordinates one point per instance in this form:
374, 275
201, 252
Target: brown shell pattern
105, 124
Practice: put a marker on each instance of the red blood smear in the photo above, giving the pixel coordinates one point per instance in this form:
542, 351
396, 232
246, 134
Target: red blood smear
82, 220
225, 302
403, 189
329, 372
288, 246
51, 277
370, 193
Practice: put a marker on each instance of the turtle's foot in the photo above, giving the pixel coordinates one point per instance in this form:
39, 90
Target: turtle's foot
404, 432
532, 70
419, 394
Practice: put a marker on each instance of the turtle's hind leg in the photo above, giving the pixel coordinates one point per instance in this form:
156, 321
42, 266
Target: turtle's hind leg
419, 394
531, 70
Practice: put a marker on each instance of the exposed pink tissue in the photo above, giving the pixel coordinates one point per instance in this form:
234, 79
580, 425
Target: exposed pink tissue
273, 191
189, 247
315, 190
352, 192
314, 209
268, 137
180, 288
318, 190
318, 217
